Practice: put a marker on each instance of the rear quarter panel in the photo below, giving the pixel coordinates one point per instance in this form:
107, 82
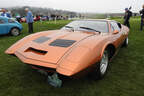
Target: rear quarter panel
85, 54
89, 51
13, 25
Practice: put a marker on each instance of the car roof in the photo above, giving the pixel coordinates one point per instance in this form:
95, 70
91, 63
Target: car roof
5, 18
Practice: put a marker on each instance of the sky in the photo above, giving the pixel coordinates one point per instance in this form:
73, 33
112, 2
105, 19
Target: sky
92, 6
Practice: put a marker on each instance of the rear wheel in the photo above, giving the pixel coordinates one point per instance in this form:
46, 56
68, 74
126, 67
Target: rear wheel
102, 67
125, 44
15, 32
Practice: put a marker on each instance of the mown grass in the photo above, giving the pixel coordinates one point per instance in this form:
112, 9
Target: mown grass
125, 77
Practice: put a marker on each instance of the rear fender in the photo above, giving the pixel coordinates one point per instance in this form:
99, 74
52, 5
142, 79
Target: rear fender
103, 49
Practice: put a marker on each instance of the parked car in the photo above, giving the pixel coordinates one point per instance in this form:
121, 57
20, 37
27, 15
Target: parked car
9, 26
44, 18
37, 18
80, 47
23, 20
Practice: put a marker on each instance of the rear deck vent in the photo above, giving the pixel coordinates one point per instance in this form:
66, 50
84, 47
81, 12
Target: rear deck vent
41, 39
44, 68
62, 43
37, 51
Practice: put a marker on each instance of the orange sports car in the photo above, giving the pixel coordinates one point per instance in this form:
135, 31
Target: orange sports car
80, 47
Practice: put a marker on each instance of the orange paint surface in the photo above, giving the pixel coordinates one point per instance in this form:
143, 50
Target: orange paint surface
68, 61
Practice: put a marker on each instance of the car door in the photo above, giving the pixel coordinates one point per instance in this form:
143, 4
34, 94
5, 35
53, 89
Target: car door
117, 38
3, 27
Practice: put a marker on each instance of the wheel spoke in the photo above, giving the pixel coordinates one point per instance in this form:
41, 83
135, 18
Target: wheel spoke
104, 63
15, 32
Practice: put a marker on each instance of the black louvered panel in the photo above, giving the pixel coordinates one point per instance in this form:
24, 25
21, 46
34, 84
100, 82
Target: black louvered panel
41, 39
62, 43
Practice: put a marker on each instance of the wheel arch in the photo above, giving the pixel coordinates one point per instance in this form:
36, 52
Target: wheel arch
13, 28
111, 48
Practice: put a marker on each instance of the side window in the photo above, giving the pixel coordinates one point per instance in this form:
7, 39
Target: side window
120, 26
115, 26
1, 21
112, 28
11, 21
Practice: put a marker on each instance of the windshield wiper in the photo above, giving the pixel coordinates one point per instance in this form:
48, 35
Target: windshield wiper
90, 29
70, 28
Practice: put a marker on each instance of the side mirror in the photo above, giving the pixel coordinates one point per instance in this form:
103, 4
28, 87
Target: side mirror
115, 32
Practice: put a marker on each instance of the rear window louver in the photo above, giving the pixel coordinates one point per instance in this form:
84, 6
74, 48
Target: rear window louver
37, 51
62, 43
41, 39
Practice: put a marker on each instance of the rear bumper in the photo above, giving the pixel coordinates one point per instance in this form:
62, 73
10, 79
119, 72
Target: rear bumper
46, 66
51, 67
34, 62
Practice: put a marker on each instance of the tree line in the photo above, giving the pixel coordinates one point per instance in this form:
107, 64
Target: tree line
41, 11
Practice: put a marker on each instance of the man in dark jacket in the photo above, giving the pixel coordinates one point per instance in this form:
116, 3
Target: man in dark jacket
142, 18
127, 16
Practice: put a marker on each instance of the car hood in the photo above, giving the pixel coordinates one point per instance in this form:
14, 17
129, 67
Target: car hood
51, 46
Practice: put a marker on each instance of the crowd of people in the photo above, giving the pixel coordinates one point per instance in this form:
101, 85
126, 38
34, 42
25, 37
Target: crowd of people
128, 15
30, 19
5, 13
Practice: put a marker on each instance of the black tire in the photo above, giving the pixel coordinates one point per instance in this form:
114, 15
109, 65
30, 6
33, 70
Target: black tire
99, 74
125, 44
15, 32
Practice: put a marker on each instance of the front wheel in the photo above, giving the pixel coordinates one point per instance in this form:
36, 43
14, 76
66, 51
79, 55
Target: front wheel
15, 32
102, 67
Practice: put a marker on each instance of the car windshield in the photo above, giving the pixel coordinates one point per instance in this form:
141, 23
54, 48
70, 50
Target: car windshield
88, 25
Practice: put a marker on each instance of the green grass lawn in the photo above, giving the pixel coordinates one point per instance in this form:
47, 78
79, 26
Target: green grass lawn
125, 77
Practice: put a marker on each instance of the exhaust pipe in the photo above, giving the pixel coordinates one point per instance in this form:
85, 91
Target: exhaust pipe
54, 80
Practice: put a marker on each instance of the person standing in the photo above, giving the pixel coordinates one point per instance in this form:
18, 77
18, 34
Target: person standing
0, 11
5, 13
127, 16
29, 20
142, 18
